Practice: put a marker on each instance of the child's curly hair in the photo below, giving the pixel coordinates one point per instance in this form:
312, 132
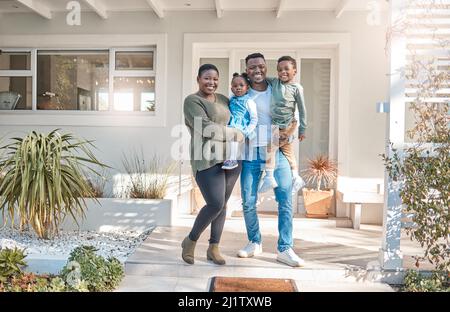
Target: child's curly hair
243, 75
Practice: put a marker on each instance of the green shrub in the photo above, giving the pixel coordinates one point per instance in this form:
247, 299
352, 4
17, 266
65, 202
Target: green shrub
422, 170
415, 282
27, 282
98, 273
85, 271
30, 282
44, 180
11, 263
56, 284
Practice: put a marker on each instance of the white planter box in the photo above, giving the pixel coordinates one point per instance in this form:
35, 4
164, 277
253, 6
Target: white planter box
123, 214
112, 214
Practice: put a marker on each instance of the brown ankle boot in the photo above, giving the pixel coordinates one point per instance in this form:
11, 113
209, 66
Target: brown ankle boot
188, 250
213, 254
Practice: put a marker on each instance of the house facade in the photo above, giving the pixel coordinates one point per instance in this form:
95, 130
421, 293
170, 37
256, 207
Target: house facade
120, 76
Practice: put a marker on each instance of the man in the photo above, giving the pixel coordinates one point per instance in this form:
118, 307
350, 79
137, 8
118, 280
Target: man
252, 166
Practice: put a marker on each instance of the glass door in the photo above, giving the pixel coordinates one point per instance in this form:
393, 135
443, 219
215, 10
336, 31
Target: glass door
316, 80
314, 73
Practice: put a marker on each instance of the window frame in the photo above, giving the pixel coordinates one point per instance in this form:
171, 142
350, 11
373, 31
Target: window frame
113, 72
129, 42
32, 72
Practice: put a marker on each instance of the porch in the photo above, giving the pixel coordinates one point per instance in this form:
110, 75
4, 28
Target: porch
337, 259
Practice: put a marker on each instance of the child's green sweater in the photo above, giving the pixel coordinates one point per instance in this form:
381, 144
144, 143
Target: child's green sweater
285, 97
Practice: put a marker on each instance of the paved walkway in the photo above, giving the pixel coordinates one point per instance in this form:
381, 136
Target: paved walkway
337, 259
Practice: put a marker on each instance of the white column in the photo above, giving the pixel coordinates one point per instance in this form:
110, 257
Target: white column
390, 255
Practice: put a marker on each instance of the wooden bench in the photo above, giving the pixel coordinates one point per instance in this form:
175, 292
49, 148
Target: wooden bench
358, 191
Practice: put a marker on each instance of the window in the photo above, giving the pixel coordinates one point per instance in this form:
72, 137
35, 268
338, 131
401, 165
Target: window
15, 60
15, 80
72, 80
133, 80
78, 80
15, 93
134, 94
140, 60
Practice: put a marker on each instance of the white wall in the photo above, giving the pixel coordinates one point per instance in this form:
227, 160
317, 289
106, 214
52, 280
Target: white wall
368, 83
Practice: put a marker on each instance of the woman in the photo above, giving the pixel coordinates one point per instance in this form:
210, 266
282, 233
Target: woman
206, 115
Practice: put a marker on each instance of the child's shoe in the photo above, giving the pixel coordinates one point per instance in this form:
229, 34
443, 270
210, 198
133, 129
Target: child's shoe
267, 183
230, 164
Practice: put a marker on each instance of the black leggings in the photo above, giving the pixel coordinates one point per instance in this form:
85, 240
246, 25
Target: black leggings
216, 186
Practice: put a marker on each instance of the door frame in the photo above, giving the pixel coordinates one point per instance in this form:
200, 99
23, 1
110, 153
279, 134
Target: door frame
234, 46
326, 53
335, 46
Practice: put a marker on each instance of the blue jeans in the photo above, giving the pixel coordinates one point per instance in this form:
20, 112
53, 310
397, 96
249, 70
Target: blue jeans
250, 175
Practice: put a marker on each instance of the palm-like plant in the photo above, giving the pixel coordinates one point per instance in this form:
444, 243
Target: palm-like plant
321, 170
44, 180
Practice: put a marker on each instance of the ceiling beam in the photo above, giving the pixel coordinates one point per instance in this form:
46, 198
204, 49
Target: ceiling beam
219, 8
281, 5
98, 7
156, 7
37, 7
340, 8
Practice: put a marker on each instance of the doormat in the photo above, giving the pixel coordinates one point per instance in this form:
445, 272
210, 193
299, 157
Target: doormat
240, 284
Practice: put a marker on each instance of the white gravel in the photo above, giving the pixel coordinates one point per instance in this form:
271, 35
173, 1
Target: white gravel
118, 244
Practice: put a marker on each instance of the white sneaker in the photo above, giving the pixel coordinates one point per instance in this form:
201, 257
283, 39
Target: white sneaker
290, 258
252, 249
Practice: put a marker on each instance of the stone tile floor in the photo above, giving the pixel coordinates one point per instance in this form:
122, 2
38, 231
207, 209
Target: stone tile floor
337, 259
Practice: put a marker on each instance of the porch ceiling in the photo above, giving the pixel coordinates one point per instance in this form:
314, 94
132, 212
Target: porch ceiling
45, 8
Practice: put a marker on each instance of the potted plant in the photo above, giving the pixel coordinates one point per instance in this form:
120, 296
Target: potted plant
322, 173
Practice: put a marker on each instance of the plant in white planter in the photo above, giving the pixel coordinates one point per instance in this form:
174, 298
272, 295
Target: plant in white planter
322, 173
146, 179
138, 201
44, 180
97, 185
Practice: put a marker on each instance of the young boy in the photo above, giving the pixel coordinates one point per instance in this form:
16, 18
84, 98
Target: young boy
286, 96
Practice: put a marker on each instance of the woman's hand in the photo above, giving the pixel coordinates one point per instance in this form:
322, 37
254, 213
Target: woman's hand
301, 137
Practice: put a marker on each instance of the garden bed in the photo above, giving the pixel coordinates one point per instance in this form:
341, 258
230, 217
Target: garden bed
50, 256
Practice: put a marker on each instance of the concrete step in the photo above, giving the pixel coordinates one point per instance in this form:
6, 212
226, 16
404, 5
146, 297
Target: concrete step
326, 260
313, 273
133, 283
